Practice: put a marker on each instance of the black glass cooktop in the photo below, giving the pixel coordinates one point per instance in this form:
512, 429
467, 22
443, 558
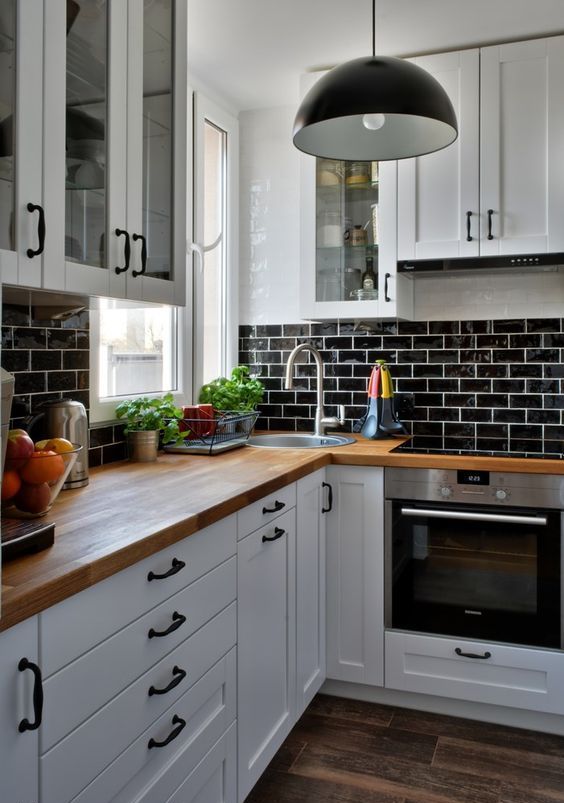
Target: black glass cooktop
419, 447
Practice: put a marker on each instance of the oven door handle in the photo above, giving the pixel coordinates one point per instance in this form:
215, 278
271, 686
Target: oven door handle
461, 515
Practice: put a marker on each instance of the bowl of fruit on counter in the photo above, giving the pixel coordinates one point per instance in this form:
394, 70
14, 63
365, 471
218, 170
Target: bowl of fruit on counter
34, 473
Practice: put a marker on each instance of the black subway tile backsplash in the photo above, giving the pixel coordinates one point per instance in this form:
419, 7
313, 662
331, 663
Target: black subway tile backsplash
497, 381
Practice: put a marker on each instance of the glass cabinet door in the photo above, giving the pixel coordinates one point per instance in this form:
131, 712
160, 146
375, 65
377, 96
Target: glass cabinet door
346, 237
158, 20
86, 132
7, 118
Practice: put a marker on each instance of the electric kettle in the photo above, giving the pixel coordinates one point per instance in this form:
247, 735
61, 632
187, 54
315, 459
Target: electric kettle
65, 418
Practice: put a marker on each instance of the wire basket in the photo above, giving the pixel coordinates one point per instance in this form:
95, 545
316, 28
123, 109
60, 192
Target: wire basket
226, 431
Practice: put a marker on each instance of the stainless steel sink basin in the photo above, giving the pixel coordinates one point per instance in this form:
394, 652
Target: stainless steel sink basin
295, 441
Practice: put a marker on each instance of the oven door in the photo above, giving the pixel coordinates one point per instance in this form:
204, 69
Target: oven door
474, 572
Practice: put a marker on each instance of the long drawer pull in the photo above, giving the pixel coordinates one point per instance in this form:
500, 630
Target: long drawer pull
278, 533
25, 724
40, 230
487, 654
277, 506
329, 507
176, 720
178, 620
176, 566
179, 675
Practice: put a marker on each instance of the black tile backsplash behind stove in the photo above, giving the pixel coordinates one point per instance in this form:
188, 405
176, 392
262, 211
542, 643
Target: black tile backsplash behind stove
50, 359
492, 384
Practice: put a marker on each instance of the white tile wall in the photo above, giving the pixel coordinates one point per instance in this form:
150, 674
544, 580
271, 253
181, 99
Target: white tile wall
270, 245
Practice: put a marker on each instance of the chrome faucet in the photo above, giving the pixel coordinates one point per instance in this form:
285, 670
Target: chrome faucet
321, 421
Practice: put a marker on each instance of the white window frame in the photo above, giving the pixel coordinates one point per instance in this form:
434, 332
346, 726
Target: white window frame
103, 411
207, 110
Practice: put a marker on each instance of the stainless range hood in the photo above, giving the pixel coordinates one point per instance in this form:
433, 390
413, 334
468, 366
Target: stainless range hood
509, 262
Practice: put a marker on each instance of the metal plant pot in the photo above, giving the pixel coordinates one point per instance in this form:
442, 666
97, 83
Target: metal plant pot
142, 446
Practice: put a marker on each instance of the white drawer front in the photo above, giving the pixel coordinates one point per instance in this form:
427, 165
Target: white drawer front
265, 510
512, 676
75, 625
97, 677
123, 727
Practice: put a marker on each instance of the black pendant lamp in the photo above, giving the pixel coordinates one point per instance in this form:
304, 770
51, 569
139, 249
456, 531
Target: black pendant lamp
375, 108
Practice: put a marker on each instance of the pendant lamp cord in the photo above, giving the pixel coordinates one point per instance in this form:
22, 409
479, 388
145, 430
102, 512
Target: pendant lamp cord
373, 28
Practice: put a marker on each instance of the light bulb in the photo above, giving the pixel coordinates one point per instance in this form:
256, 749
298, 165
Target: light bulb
373, 121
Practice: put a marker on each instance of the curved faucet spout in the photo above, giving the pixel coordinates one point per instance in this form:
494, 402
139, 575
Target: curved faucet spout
321, 421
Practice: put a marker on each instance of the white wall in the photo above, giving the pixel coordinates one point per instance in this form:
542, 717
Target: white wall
270, 245
269, 175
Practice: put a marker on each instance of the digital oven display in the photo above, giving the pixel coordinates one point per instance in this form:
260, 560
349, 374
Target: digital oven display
473, 477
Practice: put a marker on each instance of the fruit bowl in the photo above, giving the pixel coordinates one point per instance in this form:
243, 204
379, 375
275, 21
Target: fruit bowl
31, 484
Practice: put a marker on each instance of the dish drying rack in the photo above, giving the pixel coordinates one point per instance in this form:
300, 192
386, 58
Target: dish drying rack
212, 436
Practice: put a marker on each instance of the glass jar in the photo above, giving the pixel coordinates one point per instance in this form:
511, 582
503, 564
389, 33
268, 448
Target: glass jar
329, 173
330, 232
358, 173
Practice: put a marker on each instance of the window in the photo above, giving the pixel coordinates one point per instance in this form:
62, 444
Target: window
140, 349
215, 274
137, 350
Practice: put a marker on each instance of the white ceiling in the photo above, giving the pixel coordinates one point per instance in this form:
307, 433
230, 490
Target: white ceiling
252, 52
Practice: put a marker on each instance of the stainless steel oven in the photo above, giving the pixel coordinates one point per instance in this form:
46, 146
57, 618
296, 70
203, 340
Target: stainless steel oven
475, 554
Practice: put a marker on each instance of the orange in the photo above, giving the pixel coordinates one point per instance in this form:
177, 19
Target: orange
43, 466
11, 484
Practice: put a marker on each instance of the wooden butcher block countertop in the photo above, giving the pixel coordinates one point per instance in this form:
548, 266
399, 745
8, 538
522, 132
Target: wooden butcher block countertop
132, 510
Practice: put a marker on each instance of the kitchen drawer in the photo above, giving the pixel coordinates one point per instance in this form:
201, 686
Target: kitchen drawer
95, 678
111, 748
77, 624
518, 677
213, 780
265, 510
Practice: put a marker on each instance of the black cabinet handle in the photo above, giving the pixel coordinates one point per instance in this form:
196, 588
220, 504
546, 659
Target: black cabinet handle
25, 724
143, 239
277, 506
386, 279
126, 250
278, 533
458, 651
179, 675
175, 567
178, 620
469, 237
176, 720
329, 497
40, 230
490, 214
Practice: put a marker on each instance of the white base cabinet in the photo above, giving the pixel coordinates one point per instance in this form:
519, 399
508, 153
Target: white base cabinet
19, 767
516, 677
355, 575
266, 637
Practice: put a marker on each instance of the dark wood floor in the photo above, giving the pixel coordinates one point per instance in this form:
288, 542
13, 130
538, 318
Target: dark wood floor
344, 751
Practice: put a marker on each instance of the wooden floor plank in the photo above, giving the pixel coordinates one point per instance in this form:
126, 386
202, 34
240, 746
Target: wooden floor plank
485, 732
535, 771
348, 735
393, 776
354, 710
277, 787
517, 793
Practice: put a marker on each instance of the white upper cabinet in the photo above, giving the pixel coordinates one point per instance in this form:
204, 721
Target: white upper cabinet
499, 189
21, 114
348, 239
522, 170
104, 136
438, 194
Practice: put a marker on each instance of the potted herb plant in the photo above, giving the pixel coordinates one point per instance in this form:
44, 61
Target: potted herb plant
147, 420
241, 393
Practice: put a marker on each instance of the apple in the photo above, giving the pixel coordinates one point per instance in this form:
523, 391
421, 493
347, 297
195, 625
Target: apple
19, 448
33, 498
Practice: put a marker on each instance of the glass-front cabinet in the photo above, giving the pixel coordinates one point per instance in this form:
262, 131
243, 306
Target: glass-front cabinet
348, 239
94, 175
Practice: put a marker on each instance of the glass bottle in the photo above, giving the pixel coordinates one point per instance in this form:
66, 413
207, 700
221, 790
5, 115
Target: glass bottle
368, 279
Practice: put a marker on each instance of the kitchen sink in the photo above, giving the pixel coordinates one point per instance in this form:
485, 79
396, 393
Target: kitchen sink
296, 441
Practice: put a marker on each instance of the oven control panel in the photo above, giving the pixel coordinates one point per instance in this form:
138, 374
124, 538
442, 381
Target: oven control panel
476, 487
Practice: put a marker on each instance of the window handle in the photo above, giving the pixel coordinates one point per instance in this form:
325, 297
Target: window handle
201, 250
